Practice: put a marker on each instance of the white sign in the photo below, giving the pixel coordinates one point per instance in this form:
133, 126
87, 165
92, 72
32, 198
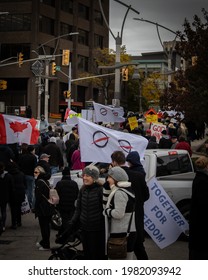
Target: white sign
162, 220
156, 129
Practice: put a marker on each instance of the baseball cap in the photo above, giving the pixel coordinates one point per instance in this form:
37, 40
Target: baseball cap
44, 156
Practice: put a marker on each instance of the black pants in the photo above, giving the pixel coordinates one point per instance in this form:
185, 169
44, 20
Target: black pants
45, 223
93, 245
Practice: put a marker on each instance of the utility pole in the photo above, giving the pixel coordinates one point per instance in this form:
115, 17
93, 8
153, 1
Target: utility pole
47, 63
69, 86
117, 92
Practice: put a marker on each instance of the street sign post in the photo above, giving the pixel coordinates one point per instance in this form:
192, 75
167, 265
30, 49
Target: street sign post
37, 68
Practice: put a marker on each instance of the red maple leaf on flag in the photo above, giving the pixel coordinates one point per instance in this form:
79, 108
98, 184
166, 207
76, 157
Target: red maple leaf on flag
18, 127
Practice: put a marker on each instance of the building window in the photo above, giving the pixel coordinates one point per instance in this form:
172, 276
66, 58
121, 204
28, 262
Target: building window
98, 17
17, 1
83, 11
98, 41
46, 25
11, 51
83, 37
15, 22
67, 6
65, 29
82, 63
48, 2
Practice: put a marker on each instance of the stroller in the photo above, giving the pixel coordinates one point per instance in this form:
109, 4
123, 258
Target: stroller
68, 250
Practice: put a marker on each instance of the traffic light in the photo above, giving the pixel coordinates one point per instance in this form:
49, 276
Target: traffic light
194, 60
125, 73
65, 57
20, 58
53, 68
67, 93
3, 84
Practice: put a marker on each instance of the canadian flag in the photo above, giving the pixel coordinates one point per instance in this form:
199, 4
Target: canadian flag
15, 129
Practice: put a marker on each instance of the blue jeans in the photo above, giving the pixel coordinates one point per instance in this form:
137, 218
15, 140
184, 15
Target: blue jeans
54, 169
30, 183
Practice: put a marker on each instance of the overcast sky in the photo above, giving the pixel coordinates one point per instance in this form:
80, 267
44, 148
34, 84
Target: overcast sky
141, 36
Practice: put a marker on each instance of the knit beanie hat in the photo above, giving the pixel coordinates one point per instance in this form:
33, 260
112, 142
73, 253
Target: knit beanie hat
118, 174
92, 171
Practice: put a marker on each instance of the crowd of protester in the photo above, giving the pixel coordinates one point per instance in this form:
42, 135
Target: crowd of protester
25, 171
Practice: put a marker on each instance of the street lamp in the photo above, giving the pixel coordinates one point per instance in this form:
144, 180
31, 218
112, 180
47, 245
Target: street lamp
136, 76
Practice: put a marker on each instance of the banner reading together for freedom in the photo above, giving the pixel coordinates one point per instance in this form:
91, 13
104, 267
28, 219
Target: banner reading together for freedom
162, 220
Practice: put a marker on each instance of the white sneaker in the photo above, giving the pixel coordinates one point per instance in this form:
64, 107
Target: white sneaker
38, 245
43, 249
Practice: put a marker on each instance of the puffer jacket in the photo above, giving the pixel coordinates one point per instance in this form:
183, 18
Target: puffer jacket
89, 208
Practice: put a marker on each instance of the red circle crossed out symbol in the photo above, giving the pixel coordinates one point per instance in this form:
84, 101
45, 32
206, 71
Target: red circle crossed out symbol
100, 139
103, 111
125, 146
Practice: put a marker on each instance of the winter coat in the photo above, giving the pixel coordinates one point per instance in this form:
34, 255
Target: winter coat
141, 191
68, 192
119, 207
184, 146
6, 188
19, 183
134, 159
42, 206
56, 158
76, 163
27, 163
89, 210
165, 142
6, 154
198, 213
152, 144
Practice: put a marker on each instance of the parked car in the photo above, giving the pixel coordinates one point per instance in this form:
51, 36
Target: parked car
173, 169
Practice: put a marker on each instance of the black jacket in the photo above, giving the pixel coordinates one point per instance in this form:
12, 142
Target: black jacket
68, 192
19, 182
42, 206
141, 191
198, 213
27, 163
56, 158
89, 209
6, 188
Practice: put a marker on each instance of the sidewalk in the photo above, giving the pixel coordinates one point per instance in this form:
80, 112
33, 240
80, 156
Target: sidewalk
19, 244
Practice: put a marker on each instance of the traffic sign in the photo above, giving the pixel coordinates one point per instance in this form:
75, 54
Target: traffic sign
37, 68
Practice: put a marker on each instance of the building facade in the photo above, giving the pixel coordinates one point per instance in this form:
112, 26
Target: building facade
37, 29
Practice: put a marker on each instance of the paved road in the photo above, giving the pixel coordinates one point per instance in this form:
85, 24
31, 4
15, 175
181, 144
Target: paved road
19, 244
